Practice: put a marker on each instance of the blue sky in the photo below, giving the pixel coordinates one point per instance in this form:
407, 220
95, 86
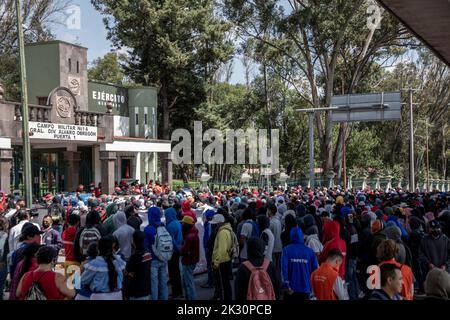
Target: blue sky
92, 34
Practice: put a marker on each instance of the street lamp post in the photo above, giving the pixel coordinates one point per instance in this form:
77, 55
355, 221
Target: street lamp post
25, 127
283, 178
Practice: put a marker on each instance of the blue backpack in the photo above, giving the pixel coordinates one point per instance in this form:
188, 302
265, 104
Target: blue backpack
255, 229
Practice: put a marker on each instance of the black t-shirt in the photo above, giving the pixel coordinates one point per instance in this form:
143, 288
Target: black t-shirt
138, 285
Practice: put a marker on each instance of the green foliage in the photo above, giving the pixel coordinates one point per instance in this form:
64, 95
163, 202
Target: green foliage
106, 69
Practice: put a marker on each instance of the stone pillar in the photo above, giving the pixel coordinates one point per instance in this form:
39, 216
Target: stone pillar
5, 170
72, 159
108, 159
166, 168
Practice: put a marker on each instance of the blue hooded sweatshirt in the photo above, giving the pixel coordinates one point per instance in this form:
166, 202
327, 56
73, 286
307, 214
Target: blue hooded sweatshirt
173, 226
405, 235
154, 221
297, 263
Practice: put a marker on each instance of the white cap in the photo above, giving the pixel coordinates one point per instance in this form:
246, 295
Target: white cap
218, 218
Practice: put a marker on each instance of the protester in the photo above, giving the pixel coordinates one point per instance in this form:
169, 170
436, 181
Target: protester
276, 228
174, 228
52, 284
207, 233
391, 283
256, 257
189, 256
298, 262
267, 236
68, 238
104, 274
434, 249
387, 253
222, 255
437, 285
51, 237
332, 240
137, 283
123, 234
91, 232
158, 265
326, 282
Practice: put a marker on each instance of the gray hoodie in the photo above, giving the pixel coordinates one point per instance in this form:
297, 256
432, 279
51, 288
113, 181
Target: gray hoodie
123, 233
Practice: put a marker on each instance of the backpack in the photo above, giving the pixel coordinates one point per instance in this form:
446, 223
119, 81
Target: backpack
255, 229
35, 291
88, 236
260, 286
163, 246
234, 250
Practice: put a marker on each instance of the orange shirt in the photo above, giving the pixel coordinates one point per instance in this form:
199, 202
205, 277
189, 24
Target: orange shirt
408, 279
323, 280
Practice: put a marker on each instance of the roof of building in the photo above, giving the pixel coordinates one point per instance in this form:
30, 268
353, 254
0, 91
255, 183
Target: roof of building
42, 43
428, 20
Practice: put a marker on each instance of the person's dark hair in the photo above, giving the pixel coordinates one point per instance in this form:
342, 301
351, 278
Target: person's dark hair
93, 218
105, 249
73, 219
387, 250
45, 255
387, 271
22, 215
271, 209
28, 254
247, 214
138, 239
334, 253
263, 222
92, 249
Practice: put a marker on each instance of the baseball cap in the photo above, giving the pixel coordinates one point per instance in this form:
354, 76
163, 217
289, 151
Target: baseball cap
218, 218
187, 220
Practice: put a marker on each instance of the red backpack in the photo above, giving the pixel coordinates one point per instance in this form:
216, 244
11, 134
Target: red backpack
260, 286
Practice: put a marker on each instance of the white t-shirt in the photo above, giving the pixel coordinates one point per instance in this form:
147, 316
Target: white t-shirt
269, 247
246, 231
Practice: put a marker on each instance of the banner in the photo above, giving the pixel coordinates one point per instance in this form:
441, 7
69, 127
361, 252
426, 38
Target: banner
66, 132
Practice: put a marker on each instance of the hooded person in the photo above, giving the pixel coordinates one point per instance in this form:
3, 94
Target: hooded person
190, 252
434, 249
93, 221
187, 211
437, 285
332, 240
393, 232
108, 224
256, 256
312, 235
297, 263
173, 226
377, 237
404, 232
124, 234
158, 268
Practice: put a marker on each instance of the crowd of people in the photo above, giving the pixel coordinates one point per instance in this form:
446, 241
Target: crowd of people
143, 243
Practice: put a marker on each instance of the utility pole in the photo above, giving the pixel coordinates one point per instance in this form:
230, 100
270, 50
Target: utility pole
428, 158
411, 143
25, 130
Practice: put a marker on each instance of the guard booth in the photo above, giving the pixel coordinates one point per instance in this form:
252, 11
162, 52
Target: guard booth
81, 131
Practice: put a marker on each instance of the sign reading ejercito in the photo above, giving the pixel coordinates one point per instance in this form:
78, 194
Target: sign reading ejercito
66, 132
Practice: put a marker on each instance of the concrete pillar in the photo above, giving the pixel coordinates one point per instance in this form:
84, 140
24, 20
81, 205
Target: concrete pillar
97, 165
137, 168
166, 168
5, 170
108, 159
72, 159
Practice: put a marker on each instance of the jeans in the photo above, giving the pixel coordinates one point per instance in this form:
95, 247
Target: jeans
352, 279
159, 280
188, 281
174, 274
3, 275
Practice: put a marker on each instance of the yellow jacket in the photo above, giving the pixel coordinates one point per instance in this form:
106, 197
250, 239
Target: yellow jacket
222, 245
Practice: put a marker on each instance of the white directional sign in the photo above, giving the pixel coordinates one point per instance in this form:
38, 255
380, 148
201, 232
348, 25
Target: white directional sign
66, 132
367, 107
